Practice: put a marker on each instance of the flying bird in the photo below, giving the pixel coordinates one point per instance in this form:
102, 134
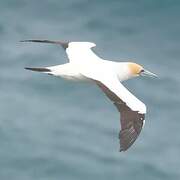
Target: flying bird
85, 65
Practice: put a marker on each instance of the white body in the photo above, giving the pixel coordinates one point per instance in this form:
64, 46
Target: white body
83, 60
85, 65
75, 70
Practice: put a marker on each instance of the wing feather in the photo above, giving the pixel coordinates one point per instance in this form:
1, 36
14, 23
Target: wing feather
62, 43
131, 120
76, 51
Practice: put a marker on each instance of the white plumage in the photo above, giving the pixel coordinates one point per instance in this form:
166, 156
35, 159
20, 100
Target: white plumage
85, 65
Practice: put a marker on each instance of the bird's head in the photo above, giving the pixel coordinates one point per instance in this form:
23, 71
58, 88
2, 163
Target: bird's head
138, 70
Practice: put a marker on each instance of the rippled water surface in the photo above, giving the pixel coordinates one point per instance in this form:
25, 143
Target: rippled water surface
53, 129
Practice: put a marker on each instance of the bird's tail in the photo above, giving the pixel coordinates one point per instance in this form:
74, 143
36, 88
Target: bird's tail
40, 69
57, 70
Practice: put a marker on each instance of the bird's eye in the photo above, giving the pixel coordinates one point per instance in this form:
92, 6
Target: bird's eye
142, 70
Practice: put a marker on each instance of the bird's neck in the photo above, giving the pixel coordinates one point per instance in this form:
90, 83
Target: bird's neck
123, 72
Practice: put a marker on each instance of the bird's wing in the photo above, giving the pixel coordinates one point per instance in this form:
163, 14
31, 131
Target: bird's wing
76, 51
132, 110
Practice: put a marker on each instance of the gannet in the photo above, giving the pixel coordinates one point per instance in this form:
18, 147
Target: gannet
85, 65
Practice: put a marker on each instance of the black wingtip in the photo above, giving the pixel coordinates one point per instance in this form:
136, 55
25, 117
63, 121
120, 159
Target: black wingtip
38, 69
27, 40
35, 40
122, 150
63, 44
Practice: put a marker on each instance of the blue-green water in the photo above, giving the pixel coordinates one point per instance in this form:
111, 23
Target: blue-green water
52, 129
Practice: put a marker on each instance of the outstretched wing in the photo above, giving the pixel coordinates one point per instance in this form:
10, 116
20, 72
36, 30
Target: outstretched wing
76, 51
131, 120
132, 111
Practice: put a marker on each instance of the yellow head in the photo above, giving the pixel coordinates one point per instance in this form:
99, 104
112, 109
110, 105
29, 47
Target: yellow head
137, 70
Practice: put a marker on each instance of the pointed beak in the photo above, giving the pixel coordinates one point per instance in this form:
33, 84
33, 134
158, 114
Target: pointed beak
148, 73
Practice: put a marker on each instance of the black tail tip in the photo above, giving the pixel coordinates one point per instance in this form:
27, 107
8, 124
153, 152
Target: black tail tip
38, 69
